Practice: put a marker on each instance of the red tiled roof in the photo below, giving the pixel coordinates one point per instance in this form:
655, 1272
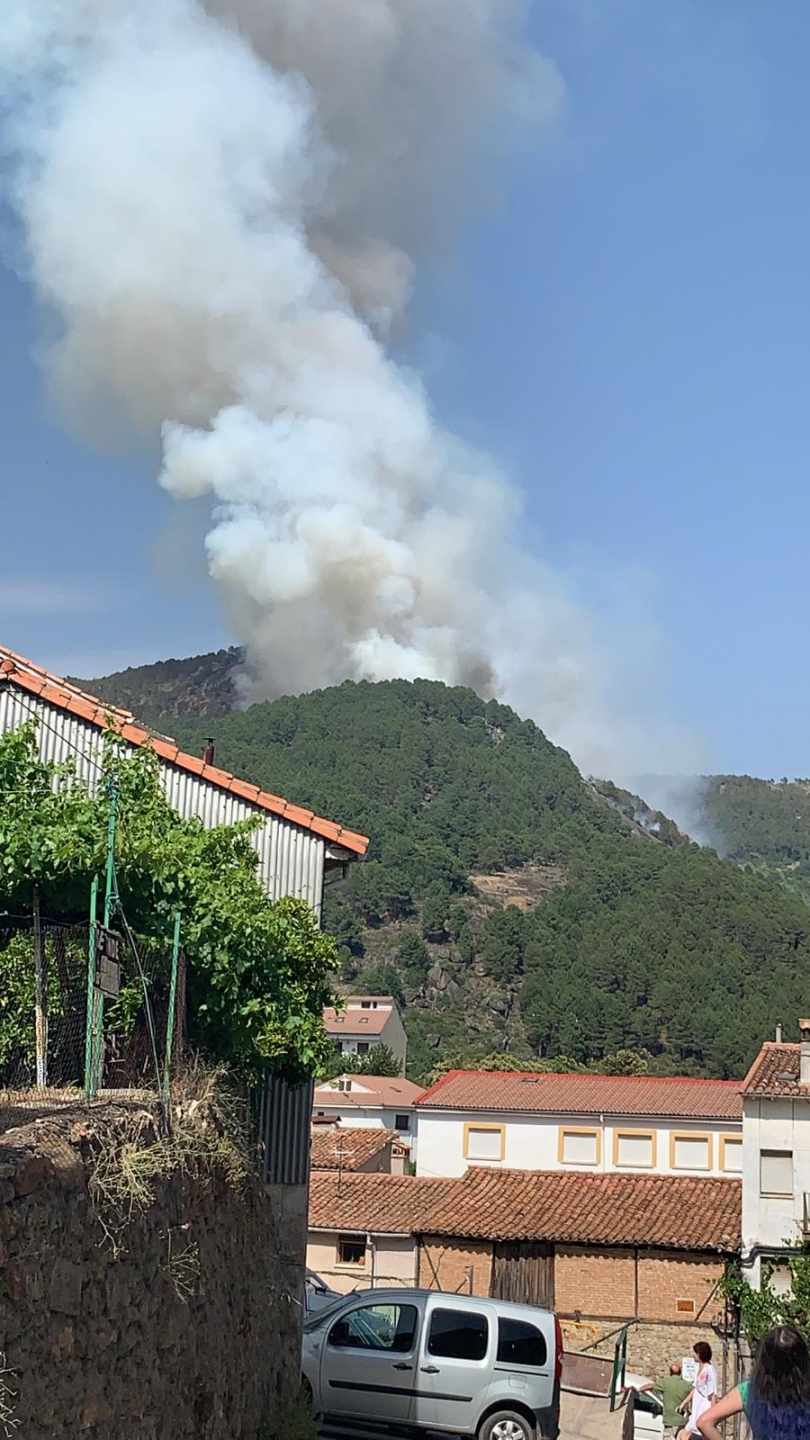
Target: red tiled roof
385, 1204
380, 1090
659, 1211
651, 1210
57, 692
775, 1072
355, 1021
348, 1149
678, 1097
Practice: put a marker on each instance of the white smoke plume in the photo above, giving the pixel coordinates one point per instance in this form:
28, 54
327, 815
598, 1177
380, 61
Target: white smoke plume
223, 205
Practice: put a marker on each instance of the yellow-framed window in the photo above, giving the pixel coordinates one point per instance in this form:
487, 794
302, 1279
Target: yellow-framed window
484, 1142
579, 1145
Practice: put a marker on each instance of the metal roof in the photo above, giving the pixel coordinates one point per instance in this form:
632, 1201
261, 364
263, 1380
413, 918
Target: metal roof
293, 844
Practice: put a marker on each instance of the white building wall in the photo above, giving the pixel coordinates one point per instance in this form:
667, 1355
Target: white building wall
390, 1260
392, 1034
370, 1118
531, 1142
774, 1221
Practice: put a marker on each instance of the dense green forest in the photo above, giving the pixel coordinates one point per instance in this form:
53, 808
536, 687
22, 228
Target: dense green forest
509, 904
763, 822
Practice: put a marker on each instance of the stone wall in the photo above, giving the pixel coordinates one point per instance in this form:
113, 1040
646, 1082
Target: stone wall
650, 1345
182, 1321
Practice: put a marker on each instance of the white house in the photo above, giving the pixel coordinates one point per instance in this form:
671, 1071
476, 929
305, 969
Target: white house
296, 848
366, 1021
776, 1150
370, 1100
577, 1122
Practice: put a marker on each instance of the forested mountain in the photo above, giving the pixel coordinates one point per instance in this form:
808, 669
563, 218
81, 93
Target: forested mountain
765, 823
510, 904
200, 685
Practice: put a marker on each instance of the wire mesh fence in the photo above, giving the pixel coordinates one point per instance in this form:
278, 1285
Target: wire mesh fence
127, 1053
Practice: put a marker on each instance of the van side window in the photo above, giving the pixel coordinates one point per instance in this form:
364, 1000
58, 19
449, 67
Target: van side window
520, 1343
376, 1327
458, 1335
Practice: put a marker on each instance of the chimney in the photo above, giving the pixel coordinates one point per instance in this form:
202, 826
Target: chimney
804, 1054
779, 1034
208, 752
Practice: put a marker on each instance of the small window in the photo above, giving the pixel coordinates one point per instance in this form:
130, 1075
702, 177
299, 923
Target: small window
731, 1154
365, 1004
579, 1147
520, 1343
691, 1152
362, 1047
351, 1250
376, 1327
483, 1142
458, 1335
776, 1172
634, 1149
402, 1122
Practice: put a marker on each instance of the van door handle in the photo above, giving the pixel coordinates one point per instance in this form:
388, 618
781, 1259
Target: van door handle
429, 1369
402, 1365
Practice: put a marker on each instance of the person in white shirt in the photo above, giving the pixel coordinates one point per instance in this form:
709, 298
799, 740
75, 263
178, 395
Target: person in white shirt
703, 1392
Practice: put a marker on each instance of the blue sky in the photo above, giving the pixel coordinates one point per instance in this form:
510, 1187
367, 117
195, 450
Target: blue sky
626, 327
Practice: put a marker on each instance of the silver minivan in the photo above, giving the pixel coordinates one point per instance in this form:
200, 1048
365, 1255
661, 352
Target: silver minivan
436, 1361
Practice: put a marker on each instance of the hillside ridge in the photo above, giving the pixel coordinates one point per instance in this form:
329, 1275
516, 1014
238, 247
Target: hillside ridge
509, 904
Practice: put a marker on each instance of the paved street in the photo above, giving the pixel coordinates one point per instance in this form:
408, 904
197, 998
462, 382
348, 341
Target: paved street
581, 1418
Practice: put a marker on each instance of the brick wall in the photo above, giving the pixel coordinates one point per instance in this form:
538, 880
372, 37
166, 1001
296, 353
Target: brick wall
664, 1279
599, 1285
608, 1283
461, 1265
595, 1282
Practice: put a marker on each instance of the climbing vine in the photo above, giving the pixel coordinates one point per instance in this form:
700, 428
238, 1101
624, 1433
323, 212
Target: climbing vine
765, 1307
258, 970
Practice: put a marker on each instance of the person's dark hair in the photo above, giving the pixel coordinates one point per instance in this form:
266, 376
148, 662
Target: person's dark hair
703, 1352
779, 1399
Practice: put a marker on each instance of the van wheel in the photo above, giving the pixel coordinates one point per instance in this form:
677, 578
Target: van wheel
506, 1425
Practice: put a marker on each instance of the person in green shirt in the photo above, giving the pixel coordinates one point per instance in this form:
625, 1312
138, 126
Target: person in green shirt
672, 1390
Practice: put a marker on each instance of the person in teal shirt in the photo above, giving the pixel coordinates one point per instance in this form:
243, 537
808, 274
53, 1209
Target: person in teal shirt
776, 1399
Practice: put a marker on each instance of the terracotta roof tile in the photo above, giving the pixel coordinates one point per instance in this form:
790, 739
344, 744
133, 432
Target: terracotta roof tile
342, 1148
378, 1091
659, 1211
299, 815
678, 1097
656, 1210
244, 789
385, 1204
355, 1022
57, 692
775, 1072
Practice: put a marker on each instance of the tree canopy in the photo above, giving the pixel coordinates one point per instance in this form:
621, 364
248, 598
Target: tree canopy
628, 942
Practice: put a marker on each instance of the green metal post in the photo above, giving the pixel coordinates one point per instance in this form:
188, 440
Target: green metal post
110, 900
89, 1065
167, 1065
111, 886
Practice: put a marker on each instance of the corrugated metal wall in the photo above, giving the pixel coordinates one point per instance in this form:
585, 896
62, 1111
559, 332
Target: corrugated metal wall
284, 1112
291, 860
